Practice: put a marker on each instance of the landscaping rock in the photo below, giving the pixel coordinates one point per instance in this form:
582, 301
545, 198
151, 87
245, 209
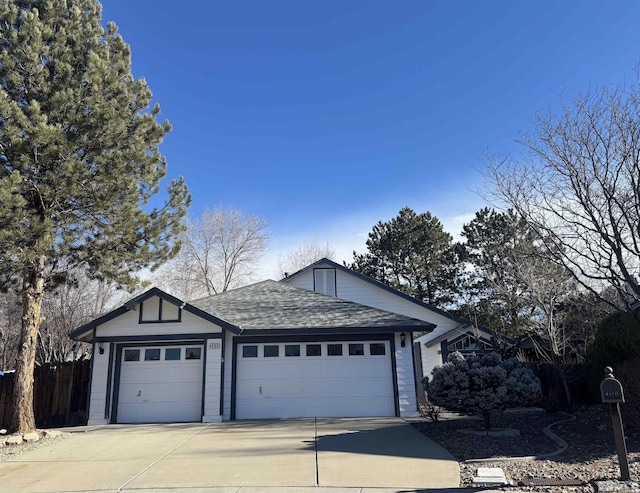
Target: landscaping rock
3, 432
613, 486
590, 458
51, 433
15, 450
14, 440
31, 437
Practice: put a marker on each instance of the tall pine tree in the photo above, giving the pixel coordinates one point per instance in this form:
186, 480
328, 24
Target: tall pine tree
79, 163
412, 253
497, 244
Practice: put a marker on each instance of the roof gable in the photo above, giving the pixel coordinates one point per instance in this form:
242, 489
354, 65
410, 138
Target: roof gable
82, 332
378, 284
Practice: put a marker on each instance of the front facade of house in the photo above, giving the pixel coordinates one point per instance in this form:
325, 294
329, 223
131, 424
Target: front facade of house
268, 350
325, 341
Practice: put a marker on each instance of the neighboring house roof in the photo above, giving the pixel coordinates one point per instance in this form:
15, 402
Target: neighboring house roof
83, 332
457, 331
325, 261
273, 306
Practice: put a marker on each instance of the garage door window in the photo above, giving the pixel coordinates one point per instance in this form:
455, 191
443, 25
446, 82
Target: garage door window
314, 350
249, 351
132, 355
292, 350
271, 351
334, 349
152, 354
356, 349
193, 353
377, 349
172, 354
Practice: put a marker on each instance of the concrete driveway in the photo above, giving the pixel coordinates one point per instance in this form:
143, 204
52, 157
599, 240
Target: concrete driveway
237, 456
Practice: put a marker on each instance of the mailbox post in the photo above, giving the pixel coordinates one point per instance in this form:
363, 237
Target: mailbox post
611, 391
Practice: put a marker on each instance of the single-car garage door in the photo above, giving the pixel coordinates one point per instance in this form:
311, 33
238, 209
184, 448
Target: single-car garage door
328, 379
160, 384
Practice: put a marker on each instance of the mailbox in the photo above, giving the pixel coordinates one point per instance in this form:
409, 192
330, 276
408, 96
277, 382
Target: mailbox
611, 390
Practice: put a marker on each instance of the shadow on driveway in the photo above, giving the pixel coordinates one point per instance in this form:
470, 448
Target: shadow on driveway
398, 440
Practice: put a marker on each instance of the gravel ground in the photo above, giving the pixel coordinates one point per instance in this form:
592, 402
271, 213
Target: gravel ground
590, 456
10, 451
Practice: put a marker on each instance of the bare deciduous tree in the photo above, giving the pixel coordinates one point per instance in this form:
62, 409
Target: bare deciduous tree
68, 307
10, 323
579, 188
220, 250
546, 287
297, 258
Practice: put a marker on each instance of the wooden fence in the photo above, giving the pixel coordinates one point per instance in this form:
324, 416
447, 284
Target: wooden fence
60, 394
563, 385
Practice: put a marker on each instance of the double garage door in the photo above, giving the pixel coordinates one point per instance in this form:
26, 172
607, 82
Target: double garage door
328, 379
283, 380
160, 384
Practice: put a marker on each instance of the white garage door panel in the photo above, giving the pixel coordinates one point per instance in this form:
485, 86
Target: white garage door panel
162, 373
160, 391
160, 412
310, 386
328, 408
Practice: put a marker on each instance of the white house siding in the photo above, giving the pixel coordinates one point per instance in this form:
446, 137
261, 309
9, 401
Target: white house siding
98, 396
127, 325
213, 347
228, 358
150, 309
405, 378
303, 280
431, 358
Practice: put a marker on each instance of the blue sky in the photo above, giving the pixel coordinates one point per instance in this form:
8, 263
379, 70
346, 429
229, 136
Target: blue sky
328, 116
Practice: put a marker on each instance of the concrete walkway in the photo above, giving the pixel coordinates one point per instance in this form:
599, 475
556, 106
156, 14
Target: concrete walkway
305, 455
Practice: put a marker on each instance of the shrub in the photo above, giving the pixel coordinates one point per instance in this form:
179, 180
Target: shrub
627, 372
430, 412
482, 384
616, 340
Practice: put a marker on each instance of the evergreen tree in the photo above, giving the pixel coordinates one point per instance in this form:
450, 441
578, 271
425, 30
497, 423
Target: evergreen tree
79, 163
411, 253
497, 243
512, 286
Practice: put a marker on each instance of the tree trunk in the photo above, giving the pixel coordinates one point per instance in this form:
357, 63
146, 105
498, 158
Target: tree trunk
23, 419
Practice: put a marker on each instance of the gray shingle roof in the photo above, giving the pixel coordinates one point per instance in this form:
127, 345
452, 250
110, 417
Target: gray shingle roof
273, 305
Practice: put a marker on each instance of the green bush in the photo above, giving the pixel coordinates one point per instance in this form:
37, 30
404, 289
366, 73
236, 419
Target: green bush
617, 339
482, 384
627, 372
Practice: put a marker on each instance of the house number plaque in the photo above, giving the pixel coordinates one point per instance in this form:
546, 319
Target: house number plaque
214, 345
